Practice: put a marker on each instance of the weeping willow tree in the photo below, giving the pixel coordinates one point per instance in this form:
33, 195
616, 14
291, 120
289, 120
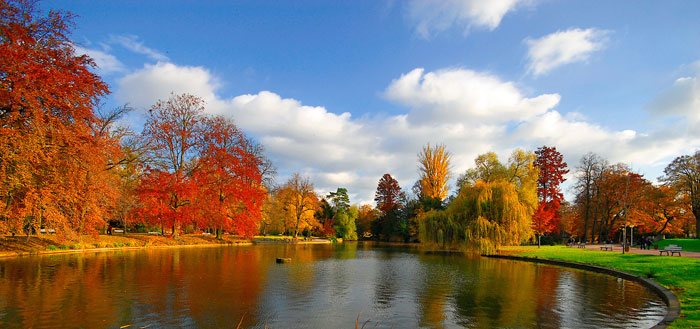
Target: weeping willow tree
488, 213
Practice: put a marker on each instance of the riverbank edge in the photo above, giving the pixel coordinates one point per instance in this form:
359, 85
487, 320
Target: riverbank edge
18, 254
673, 306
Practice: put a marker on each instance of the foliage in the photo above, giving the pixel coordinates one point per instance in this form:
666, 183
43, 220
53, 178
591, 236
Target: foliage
366, 216
434, 170
53, 147
391, 224
300, 202
552, 169
611, 196
494, 210
683, 173
201, 171
345, 223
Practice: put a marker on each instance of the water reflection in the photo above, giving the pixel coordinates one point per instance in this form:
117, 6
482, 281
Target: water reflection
325, 286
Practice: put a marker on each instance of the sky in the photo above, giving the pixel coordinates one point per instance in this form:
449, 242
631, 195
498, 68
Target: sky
345, 91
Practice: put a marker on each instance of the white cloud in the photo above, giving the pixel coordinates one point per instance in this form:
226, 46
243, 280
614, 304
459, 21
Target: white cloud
563, 47
434, 16
471, 112
106, 62
446, 95
156, 81
133, 44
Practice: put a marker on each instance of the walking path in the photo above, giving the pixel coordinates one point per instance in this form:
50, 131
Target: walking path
637, 250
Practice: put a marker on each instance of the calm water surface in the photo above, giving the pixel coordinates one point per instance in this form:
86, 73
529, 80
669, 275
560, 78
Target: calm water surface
324, 287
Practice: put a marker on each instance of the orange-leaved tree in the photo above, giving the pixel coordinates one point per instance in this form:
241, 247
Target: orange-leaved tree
52, 159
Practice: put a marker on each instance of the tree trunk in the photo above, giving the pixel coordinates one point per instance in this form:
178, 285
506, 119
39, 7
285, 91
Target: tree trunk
696, 213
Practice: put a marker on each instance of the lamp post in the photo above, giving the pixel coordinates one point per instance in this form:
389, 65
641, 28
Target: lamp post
624, 200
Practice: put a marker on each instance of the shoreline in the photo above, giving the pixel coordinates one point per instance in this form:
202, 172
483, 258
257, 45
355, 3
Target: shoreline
38, 246
673, 306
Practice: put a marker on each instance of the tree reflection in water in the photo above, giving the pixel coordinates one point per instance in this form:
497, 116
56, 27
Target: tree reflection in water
324, 286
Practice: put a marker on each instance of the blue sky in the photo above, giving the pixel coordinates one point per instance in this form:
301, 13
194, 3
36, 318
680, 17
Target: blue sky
346, 91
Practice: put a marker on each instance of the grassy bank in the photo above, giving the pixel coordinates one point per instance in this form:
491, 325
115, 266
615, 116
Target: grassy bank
50, 243
679, 274
687, 244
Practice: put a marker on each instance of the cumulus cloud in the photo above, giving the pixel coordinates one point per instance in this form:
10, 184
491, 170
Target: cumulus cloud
434, 16
143, 87
465, 95
563, 47
471, 112
106, 62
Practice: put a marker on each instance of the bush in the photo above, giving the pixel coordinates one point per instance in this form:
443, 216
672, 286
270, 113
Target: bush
63, 247
51, 247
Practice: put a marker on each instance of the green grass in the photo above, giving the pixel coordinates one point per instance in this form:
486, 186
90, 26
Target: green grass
687, 244
679, 274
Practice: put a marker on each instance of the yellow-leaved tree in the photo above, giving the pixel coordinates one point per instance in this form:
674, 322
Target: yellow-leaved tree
493, 208
434, 169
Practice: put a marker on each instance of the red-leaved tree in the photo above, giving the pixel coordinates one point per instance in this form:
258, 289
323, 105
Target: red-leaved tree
230, 190
552, 170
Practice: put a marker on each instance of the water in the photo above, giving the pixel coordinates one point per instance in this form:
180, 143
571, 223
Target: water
325, 286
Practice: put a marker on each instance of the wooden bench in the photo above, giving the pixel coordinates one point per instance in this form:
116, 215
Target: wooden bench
608, 247
154, 233
670, 250
117, 230
581, 245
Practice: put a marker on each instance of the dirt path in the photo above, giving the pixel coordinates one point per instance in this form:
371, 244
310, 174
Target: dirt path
635, 250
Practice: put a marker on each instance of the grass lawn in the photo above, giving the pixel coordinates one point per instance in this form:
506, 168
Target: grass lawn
687, 244
679, 274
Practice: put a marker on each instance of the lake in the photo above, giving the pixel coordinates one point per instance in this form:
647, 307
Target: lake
325, 286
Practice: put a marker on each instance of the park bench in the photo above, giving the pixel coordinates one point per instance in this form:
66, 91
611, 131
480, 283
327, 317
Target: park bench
118, 230
608, 247
49, 231
581, 245
153, 233
670, 250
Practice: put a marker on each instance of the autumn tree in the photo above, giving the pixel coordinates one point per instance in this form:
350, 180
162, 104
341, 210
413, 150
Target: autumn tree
390, 202
552, 169
230, 190
300, 201
683, 174
172, 129
434, 171
366, 216
52, 156
494, 206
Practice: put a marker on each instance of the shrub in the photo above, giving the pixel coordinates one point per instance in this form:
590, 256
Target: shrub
51, 247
